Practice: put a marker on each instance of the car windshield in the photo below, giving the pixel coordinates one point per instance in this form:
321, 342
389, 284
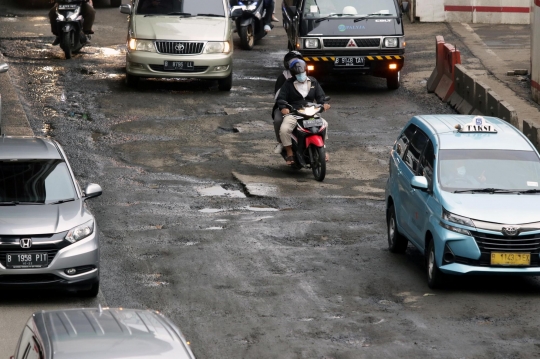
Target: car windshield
36, 181
356, 8
508, 170
181, 7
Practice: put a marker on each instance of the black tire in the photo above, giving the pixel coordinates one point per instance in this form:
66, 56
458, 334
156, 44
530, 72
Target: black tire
247, 37
397, 243
89, 293
225, 84
436, 278
65, 44
393, 80
132, 80
116, 3
319, 166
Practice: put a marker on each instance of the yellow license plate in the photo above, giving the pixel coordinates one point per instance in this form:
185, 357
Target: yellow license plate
510, 259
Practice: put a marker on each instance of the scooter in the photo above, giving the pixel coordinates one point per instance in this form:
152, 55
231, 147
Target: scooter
250, 25
69, 24
308, 139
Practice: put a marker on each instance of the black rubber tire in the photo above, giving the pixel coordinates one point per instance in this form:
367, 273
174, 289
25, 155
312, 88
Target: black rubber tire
436, 278
319, 170
226, 83
393, 80
247, 37
89, 293
65, 45
116, 3
132, 80
397, 243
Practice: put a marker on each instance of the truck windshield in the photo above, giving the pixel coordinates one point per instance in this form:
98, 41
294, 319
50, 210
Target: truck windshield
349, 8
181, 7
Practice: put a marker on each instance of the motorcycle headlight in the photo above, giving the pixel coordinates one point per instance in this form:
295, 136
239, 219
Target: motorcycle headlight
80, 232
252, 7
311, 43
141, 45
215, 47
391, 42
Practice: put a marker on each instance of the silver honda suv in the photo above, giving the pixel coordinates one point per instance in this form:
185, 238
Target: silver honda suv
48, 238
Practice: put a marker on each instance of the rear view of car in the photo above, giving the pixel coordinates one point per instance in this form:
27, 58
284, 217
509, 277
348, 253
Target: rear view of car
173, 39
48, 237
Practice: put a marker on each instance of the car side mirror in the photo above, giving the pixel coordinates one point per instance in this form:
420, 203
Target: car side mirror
420, 183
405, 6
236, 12
125, 9
4, 67
92, 190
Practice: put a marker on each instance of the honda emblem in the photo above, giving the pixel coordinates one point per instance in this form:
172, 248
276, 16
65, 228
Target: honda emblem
25, 242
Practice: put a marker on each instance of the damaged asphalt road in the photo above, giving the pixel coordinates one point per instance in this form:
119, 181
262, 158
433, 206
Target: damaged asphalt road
201, 220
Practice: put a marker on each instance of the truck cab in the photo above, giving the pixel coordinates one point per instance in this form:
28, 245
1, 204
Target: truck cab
348, 36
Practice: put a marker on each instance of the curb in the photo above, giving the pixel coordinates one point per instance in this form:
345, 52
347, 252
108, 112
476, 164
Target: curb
13, 120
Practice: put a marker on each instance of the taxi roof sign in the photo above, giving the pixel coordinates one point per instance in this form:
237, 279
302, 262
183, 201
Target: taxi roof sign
478, 125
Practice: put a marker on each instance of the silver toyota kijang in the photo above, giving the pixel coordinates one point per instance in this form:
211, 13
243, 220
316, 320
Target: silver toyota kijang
48, 238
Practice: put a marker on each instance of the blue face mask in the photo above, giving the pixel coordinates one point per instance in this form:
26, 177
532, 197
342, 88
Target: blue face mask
301, 77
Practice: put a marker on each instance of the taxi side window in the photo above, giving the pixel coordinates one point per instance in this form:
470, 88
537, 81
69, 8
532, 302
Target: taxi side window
415, 149
404, 139
427, 163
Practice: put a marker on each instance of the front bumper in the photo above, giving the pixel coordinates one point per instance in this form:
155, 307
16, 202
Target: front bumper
150, 64
375, 65
83, 256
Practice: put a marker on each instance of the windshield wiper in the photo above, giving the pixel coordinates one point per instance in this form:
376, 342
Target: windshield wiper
211, 15
530, 191
63, 201
14, 203
371, 15
186, 14
329, 16
486, 190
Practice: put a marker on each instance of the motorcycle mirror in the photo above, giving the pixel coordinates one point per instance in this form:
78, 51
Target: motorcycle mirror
4, 67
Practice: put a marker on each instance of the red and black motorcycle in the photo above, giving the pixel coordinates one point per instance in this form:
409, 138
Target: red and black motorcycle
308, 138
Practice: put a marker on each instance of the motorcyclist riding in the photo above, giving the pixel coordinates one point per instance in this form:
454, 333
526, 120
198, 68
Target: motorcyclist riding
87, 11
297, 92
276, 113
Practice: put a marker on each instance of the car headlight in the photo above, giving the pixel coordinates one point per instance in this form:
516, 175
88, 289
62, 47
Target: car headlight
454, 218
141, 45
311, 43
391, 42
214, 47
80, 232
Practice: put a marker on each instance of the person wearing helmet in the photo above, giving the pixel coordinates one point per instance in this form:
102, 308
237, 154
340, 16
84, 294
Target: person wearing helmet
297, 92
276, 113
87, 11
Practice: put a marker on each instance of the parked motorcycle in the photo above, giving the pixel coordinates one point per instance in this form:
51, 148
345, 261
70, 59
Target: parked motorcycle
69, 24
250, 25
308, 139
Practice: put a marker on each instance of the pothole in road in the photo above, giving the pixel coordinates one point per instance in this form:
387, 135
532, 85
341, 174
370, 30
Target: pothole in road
247, 208
221, 192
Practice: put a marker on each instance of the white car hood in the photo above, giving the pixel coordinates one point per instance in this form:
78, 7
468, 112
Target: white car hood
180, 28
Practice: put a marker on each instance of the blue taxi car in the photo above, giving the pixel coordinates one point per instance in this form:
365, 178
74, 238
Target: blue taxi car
465, 191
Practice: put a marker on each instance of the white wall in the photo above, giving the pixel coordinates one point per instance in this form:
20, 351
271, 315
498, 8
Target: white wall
474, 11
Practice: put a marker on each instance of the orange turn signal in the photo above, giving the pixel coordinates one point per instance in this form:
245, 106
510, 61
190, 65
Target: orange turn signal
392, 66
311, 67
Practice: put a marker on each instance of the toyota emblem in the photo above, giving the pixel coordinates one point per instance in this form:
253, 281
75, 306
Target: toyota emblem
25, 242
510, 230
179, 47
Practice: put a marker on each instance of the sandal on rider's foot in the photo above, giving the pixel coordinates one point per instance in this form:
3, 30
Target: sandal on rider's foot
88, 32
290, 160
327, 157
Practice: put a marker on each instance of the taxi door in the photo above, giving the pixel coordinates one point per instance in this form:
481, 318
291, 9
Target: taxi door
412, 200
420, 201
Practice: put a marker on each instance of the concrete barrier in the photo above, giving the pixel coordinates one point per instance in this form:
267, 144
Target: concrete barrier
508, 113
493, 102
531, 132
437, 73
466, 106
459, 86
445, 88
480, 98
